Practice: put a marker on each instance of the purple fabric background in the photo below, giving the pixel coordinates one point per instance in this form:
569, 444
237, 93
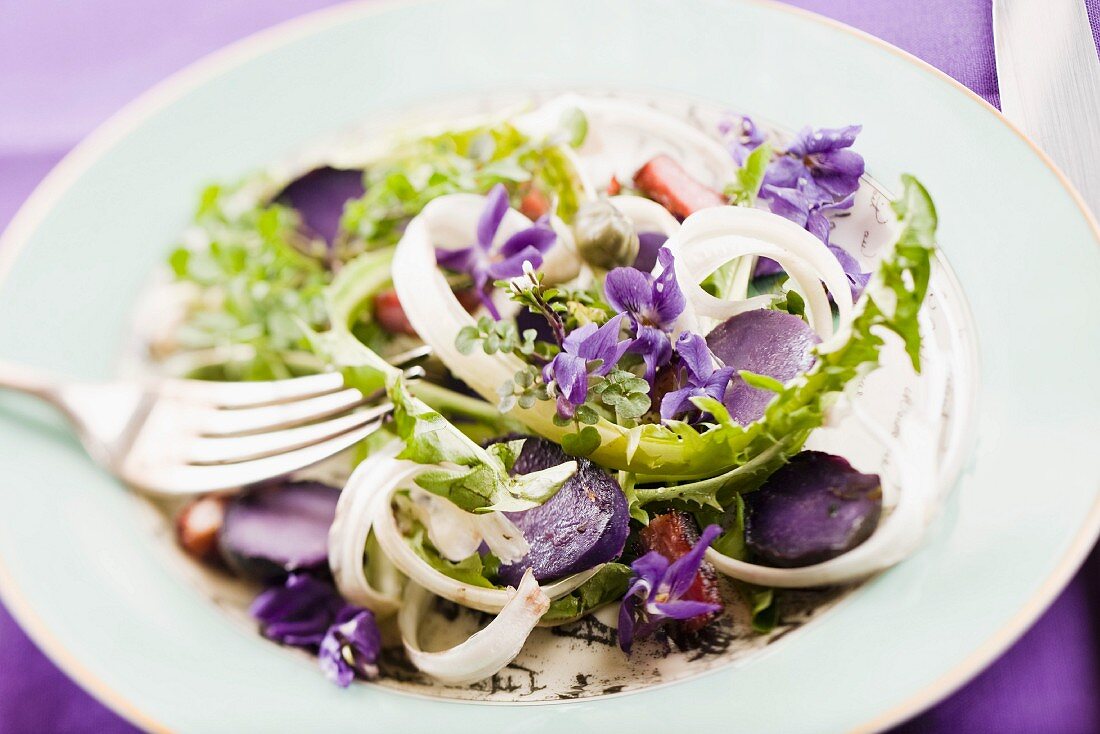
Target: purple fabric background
65, 66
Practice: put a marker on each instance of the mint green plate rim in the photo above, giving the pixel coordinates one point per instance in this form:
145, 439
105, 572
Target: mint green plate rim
76, 565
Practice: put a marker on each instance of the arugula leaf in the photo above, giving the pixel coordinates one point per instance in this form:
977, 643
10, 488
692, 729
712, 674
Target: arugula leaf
732, 542
761, 382
608, 585
718, 491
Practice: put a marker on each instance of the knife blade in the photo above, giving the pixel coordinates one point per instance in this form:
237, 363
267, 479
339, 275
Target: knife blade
1049, 76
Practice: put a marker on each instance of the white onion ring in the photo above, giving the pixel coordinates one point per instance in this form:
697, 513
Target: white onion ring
487, 650
710, 238
351, 527
365, 495
458, 534
365, 506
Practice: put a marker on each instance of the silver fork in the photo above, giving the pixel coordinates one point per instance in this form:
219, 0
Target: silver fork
170, 436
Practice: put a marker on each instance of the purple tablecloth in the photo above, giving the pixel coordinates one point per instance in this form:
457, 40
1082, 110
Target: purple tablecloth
65, 66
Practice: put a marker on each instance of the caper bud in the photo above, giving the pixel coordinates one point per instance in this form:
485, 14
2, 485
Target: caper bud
605, 237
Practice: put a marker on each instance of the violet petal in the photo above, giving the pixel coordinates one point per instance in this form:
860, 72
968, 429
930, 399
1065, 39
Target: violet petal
809, 141
604, 344
298, 612
649, 243
685, 608
571, 375
512, 266
538, 238
677, 402
695, 355
856, 277
628, 290
461, 260
682, 572
838, 172
655, 346
785, 172
627, 611
650, 568
668, 299
496, 206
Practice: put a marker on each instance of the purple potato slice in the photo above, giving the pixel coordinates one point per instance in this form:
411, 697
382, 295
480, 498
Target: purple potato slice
271, 531
583, 525
814, 508
764, 342
319, 198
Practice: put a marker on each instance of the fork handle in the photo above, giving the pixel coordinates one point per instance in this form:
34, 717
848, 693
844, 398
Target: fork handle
27, 380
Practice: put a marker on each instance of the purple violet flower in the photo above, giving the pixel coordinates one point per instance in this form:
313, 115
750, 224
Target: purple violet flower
308, 613
652, 303
744, 137
483, 264
702, 378
297, 613
818, 173
570, 368
351, 647
656, 591
823, 158
800, 206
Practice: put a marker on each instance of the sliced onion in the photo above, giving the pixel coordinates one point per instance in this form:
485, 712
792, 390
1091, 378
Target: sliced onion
710, 238
364, 508
487, 650
458, 534
351, 529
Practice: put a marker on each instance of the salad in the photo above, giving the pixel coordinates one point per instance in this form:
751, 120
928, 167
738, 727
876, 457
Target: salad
606, 336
